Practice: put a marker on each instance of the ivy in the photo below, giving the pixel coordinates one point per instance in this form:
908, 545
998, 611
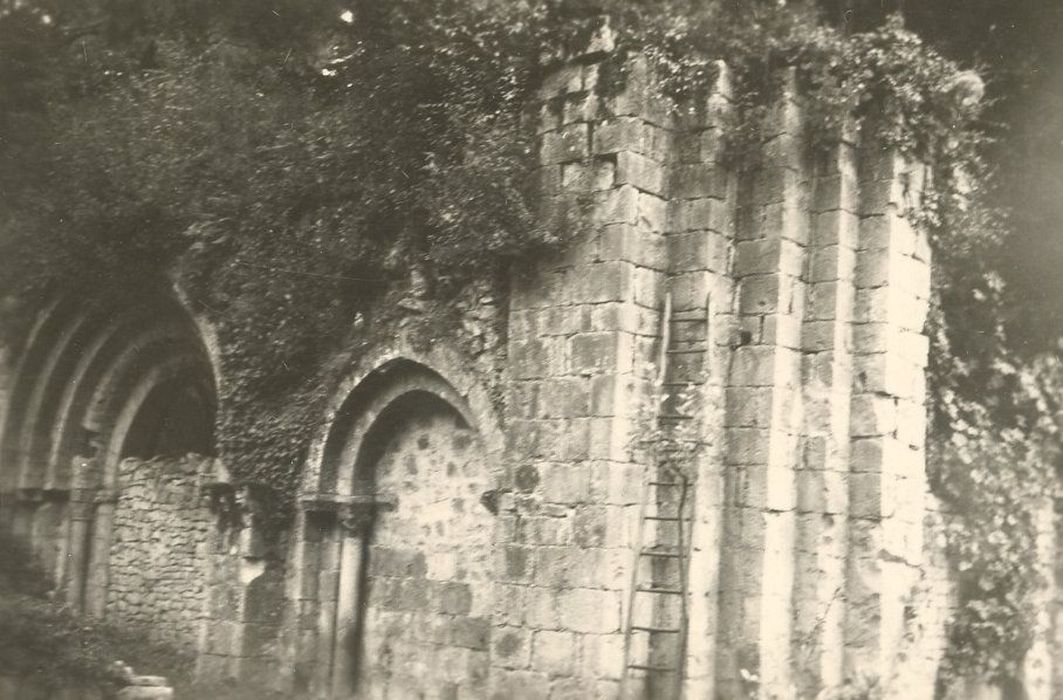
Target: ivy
994, 447
305, 167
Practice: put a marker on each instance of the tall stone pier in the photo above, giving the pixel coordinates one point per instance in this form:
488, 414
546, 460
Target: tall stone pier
796, 290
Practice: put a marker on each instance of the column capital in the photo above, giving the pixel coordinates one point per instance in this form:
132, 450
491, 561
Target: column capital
354, 514
355, 519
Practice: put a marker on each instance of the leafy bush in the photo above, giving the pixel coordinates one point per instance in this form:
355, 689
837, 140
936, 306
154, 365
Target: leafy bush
46, 643
993, 452
48, 647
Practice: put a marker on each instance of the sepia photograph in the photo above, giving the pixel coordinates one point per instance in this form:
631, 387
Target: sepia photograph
531, 349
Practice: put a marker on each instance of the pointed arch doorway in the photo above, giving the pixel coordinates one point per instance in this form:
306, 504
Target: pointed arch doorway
412, 554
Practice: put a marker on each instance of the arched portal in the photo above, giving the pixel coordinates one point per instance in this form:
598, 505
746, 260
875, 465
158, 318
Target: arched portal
411, 477
96, 381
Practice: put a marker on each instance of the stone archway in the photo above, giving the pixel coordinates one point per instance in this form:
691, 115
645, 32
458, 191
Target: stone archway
411, 482
427, 602
98, 381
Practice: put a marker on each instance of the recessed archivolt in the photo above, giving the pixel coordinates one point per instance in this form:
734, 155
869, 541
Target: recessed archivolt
84, 374
70, 435
342, 496
370, 403
36, 352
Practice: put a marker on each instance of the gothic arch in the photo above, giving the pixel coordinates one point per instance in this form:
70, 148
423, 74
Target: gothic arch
376, 398
382, 528
96, 380
391, 372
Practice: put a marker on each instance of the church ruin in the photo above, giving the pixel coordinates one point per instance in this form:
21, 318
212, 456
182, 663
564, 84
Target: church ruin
700, 472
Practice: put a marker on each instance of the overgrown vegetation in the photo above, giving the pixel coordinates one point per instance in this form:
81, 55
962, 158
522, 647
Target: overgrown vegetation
298, 161
44, 644
993, 448
50, 648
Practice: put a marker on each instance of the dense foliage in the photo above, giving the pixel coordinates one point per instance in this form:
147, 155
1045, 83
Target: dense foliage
996, 403
1019, 49
296, 163
47, 645
293, 165
994, 447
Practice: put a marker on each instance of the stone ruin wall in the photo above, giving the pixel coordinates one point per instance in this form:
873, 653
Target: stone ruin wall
429, 586
802, 290
163, 527
797, 291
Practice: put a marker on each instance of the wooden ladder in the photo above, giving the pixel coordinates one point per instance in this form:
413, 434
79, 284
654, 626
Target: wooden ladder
656, 626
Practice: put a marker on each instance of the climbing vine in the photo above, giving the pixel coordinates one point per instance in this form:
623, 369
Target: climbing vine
994, 448
307, 168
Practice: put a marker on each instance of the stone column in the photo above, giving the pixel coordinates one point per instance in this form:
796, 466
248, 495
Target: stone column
99, 551
7, 384
327, 581
763, 416
823, 464
700, 244
887, 479
1038, 664
354, 523
82, 514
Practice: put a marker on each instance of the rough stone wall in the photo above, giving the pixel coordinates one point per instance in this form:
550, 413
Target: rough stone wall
158, 557
427, 625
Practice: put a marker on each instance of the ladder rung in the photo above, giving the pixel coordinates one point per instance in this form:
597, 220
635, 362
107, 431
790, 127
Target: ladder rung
650, 628
655, 669
665, 483
660, 590
687, 351
666, 555
674, 416
668, 518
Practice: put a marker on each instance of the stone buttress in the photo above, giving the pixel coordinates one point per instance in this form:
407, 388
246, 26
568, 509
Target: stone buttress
798, 288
